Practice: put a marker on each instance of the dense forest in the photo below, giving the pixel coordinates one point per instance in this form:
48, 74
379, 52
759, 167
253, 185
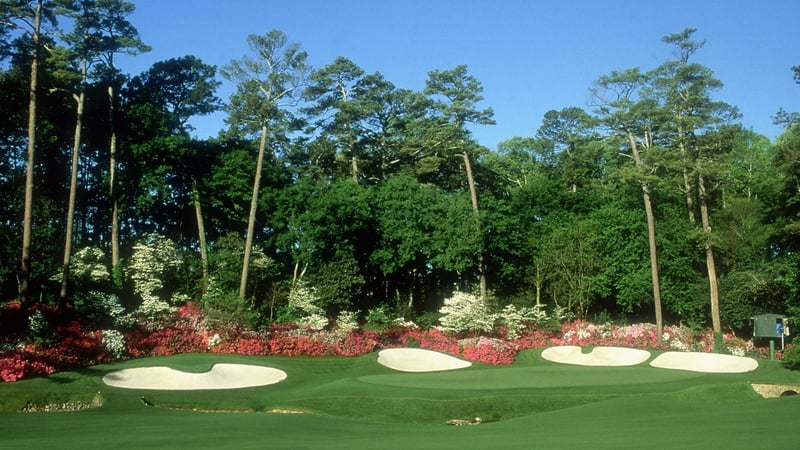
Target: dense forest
651, 202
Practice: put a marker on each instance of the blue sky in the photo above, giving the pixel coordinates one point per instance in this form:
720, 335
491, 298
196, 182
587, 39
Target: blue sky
530, 55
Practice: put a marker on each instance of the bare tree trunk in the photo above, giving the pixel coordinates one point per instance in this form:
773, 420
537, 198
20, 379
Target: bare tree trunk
354, 168
73, 186
711, 267
25, 266
201, 234
538, 282
248, 246
473, 195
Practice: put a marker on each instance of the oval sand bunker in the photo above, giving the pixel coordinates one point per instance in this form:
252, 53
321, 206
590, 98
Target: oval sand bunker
419, 360
704, 362
599, 356
221, 376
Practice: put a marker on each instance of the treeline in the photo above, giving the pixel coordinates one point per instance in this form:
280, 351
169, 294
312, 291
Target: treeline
653, 202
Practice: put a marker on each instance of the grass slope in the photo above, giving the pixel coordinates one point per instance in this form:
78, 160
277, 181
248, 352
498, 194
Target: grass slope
357, 403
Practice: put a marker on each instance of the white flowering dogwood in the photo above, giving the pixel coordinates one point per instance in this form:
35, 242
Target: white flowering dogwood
303, 301
114, 342
466, 312
516, 319
152, 258
89, 264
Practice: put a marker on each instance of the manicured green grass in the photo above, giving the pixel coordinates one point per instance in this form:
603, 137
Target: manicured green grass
357, 403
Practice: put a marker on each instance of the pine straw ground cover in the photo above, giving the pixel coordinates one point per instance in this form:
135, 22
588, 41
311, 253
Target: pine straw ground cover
354, 402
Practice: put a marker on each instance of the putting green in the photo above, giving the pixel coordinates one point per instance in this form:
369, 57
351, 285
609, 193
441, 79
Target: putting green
539, 377
356, 403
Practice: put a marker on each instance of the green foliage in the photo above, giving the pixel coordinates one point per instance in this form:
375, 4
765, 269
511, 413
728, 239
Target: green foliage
100, 307
381, 317
370, 195
39, 328
791, 356
378, 318
224, 306
337, 283
225, 266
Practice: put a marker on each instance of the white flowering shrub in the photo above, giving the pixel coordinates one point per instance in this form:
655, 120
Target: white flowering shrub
214, 340
347, 321
403, 323
562, 314
89, 264
313, 321
516, 319
304, 309
114, 342
153, 258
466, 312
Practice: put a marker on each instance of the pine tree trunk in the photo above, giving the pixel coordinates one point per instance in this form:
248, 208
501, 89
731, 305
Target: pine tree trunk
201, 234
248, 246
711, 267
473, 195
651, 238
112, 191
687, 182
25, 267
73, 187
651, 235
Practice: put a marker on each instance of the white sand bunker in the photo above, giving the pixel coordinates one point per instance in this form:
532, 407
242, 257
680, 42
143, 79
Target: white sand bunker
599, 356
419, 360
221, 376
704, 362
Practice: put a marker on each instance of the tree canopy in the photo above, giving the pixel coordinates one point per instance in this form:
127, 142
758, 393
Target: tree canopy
652, 202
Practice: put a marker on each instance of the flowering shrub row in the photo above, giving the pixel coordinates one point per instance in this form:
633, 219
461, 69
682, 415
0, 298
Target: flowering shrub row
73, 345
16, 365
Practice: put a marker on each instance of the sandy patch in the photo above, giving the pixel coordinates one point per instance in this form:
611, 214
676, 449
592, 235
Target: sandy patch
221, 376
704, 362
599, 356
419, 360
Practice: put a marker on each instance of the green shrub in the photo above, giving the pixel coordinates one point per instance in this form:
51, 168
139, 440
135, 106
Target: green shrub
428, 319
226, 307
791, 356
378, 318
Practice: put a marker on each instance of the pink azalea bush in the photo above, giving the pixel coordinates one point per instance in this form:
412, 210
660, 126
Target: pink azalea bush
17, 365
